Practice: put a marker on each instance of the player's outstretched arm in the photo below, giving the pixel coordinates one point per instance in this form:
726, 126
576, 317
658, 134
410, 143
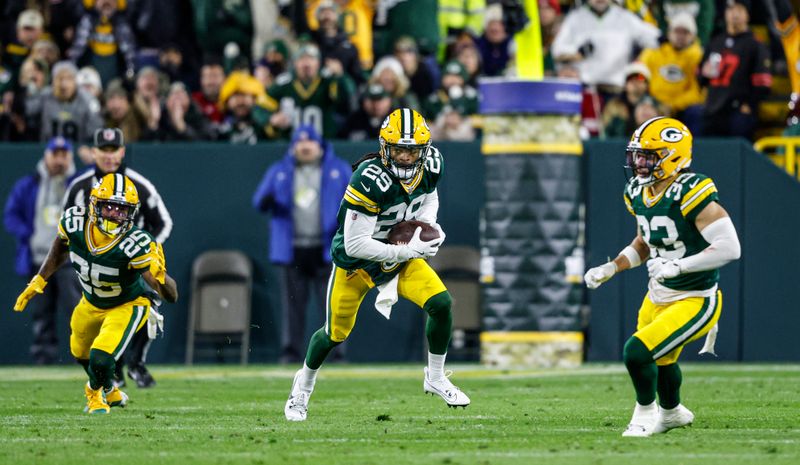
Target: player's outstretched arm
55, 258
717, 229
629, 257
168, 291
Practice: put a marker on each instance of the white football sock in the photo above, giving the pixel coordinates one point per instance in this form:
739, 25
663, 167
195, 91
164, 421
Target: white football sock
307, 379
435, 366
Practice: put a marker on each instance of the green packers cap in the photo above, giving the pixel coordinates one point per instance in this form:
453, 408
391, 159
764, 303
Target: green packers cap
376, 92
455, 67
307, 49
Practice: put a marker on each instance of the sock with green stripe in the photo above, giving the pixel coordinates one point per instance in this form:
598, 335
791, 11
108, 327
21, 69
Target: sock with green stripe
669, 386
439, 326
101, 369
642, 369
318, 348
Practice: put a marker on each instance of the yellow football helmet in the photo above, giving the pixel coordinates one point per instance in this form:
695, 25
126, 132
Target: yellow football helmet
660, 148
113, 204
403, 131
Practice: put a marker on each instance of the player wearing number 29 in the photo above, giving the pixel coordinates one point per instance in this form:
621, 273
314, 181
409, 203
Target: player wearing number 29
394, 185
687, 237
113, 259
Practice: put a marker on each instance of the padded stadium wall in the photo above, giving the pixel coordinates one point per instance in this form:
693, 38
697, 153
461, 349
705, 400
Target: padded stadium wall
208, 187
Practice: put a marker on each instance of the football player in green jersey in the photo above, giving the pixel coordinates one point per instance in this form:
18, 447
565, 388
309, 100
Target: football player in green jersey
394, 185
687, 237
113, 259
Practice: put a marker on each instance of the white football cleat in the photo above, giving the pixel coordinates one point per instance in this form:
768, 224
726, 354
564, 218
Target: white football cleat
451, 394
642, 422
677, 417
296, 408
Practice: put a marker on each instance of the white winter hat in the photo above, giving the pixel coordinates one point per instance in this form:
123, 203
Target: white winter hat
684, 20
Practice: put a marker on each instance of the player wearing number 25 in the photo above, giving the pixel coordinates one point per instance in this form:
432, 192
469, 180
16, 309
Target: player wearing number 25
386, 188
113, 259
687, 236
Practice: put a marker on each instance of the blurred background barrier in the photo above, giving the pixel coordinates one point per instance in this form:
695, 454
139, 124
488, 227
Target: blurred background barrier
208, 187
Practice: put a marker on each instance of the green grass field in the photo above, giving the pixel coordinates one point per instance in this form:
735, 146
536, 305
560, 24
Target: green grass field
377, 414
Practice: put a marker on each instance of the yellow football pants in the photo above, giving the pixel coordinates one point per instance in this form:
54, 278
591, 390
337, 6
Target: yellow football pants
666, 328
417, 283
106, 329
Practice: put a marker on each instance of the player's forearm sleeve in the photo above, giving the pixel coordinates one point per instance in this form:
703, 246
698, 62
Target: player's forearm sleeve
429, 209
723, 248
358, 241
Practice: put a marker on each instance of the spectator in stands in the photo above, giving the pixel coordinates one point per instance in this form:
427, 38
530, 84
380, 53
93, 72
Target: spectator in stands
34, 76
247, 110
356, 24
172, 65
702, 12
647, 108
272, 64
736, 70
302, 193
308, 96
89, 80
550, 21
339, 55
63, 109
181, 120
494, 44
388, 72
276, 57
46, 50
119, 113
147, 97
212, 76
104, 40
419, 75
600, 37
30, 27
619, 113
365, 123
454, 95
470, 58
31, 215
674, 67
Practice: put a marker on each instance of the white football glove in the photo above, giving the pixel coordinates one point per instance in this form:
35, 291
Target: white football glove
599, 274
421, 248
660, 268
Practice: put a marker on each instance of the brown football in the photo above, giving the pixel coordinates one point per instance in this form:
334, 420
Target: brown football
402, 232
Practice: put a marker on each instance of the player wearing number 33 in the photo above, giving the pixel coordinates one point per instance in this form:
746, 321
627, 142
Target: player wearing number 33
387, 188
113, 259
687, 237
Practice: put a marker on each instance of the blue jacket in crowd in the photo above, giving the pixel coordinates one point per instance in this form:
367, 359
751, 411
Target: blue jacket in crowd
275, 194
18, 218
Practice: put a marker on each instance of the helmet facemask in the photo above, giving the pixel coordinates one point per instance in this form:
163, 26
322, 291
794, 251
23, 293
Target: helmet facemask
645, 165
113, 217
403, 171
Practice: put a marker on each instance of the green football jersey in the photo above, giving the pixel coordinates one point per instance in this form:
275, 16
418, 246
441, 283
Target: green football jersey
315, 104
111, 276
374, 191
667, 224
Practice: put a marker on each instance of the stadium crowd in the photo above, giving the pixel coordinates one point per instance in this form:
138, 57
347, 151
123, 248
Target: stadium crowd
245, 71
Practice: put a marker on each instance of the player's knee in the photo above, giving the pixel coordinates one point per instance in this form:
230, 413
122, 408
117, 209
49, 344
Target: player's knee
100, 360
439, 305
635, 353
